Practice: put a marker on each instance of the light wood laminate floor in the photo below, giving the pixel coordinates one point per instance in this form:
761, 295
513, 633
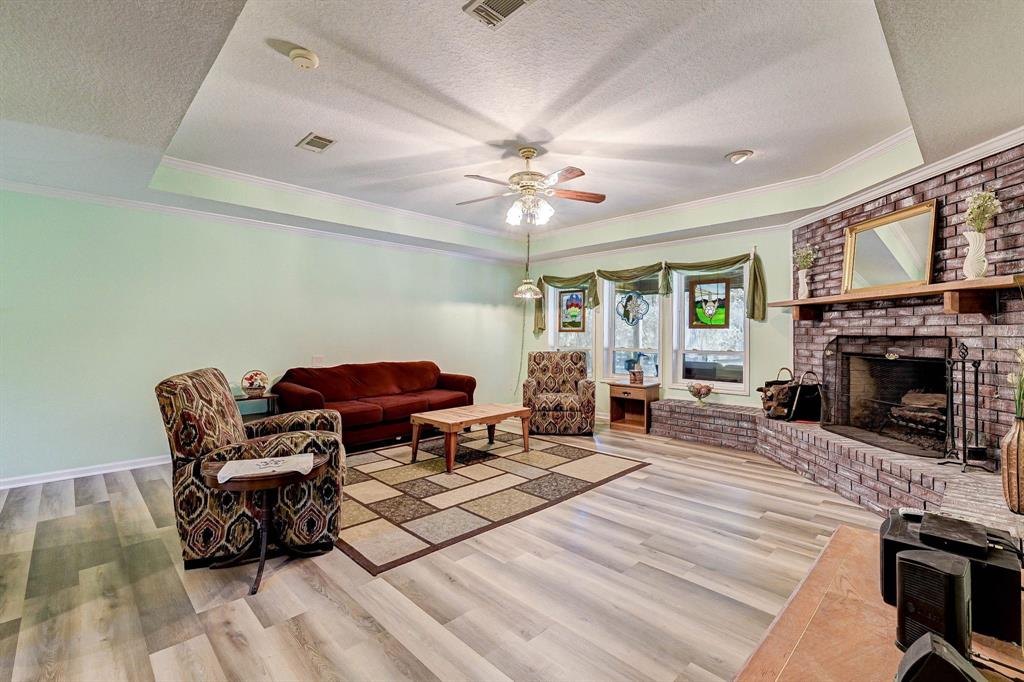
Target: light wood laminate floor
673, 572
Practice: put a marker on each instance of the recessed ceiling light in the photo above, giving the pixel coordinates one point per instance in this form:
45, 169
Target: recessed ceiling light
303, 58
739, 156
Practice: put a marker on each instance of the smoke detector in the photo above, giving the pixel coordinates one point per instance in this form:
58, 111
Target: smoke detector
493, 13
315, 143
303, 58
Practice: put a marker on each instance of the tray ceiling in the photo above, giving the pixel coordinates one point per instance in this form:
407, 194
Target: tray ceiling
646, 97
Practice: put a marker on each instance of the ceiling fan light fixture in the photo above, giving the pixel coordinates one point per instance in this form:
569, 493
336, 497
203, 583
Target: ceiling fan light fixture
514, 216
530, 209
739, 156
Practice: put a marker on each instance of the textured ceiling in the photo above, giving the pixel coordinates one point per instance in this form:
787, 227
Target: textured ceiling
960, 66
646, 96
123, 71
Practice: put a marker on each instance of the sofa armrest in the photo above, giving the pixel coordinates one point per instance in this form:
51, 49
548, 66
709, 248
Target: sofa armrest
458, 382
529, 392
294, 397
587, 392
303, 420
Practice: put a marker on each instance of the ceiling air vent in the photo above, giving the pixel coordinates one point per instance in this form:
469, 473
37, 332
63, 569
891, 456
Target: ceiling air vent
315, 143
493, 13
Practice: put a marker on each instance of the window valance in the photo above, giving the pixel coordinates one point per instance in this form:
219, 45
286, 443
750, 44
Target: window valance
756, 286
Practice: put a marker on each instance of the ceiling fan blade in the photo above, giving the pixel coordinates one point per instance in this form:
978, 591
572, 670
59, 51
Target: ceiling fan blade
579, 196
482, 178
493, 196
566, 174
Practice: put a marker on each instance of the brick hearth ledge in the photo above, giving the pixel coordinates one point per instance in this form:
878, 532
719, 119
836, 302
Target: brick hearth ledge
875, 478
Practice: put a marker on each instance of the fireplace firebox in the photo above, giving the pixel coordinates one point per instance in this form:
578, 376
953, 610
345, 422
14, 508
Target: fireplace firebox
888, 391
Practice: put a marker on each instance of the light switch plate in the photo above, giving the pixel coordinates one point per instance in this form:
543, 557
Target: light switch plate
319, 361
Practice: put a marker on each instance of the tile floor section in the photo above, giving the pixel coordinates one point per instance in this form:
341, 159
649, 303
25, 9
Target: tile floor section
394, 511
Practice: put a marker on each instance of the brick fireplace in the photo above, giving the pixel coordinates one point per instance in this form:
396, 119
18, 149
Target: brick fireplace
873, 475
889, 391
990, 338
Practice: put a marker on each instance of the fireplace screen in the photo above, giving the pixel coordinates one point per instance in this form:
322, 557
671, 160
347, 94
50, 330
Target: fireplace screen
888, 391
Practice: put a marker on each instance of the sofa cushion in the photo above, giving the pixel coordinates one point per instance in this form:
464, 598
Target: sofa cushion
399, 406
556, 402
440, 399
356, 413
351, 382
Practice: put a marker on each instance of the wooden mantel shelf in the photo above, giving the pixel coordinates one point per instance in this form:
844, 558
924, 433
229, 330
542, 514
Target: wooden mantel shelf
959, 296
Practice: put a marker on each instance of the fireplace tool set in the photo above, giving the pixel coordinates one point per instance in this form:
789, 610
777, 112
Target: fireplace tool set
966, 455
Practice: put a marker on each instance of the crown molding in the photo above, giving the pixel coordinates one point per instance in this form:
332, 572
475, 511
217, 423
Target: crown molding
662, 244
120, 202
997, 144
874, 150
341, 200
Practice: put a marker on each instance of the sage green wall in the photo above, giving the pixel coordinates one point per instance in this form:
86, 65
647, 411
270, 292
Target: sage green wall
99, 303
771, 341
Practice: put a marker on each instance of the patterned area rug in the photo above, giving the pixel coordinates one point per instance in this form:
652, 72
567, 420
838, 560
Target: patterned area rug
393, 511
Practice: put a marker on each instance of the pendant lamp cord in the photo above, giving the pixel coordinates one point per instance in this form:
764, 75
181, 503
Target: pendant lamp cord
522, 343
527, 255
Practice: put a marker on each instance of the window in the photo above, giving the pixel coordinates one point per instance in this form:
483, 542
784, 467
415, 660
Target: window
581, 341
633, 346
713, 356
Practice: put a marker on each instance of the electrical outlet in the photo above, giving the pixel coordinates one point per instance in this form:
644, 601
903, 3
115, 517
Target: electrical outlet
319, 361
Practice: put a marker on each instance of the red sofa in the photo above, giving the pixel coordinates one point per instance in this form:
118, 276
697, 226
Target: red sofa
376, 399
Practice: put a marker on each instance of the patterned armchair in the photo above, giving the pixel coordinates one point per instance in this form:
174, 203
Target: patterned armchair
558, 391
203, 422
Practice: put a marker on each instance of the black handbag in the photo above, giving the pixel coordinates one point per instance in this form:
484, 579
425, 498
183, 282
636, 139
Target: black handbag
806, 405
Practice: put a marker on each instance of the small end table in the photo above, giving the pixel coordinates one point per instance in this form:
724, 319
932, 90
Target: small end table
271, 400
630, 404
270, 484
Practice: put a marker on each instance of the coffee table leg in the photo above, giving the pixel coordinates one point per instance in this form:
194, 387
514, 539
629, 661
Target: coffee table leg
415, 441
266, 520
451, 443
490, 434
526, 433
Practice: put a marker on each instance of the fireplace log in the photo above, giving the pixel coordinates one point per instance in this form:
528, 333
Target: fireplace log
920, 415
924, 400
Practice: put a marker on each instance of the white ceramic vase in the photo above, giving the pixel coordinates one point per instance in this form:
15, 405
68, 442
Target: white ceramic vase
975, 262
805, 287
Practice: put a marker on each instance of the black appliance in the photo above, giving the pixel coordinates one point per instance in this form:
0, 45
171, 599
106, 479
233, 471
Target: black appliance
995, 578
932, 659
933, 594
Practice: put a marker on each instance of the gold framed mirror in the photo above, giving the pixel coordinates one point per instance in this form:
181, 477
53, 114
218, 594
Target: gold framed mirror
894, 251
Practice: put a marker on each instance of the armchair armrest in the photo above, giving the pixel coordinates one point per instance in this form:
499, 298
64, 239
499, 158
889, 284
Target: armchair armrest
295, 397
529, 392
586, 389
304, 420
279, 445
458, 382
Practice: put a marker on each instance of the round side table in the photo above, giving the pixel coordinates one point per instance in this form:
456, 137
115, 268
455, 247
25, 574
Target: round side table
270, 484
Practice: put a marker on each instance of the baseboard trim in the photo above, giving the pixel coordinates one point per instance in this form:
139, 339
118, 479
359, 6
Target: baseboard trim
64, 474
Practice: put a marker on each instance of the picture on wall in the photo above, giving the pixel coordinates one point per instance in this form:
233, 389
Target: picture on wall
709, 303
572, 311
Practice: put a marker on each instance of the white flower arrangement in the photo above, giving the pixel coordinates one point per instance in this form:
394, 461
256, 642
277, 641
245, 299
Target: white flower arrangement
804, 257
981, 208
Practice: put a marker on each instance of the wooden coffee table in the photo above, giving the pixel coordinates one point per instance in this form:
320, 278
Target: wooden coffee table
270, 484
455, 419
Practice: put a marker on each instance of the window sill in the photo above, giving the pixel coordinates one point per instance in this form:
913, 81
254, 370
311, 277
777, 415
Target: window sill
720, 389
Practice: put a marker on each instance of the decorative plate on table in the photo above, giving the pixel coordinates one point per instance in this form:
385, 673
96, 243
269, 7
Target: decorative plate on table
255, 382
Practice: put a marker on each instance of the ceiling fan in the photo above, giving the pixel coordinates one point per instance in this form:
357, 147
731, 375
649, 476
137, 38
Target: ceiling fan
532, 187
